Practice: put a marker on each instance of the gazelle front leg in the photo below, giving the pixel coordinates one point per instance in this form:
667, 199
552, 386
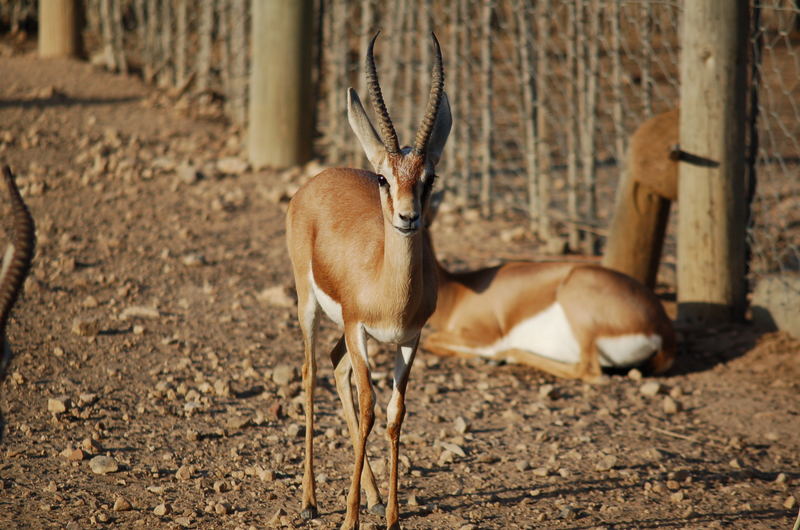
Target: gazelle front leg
356, 339
342, 371
395, 413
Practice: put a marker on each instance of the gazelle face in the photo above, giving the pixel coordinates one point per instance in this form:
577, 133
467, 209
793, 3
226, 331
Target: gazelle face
405, 176
405, 182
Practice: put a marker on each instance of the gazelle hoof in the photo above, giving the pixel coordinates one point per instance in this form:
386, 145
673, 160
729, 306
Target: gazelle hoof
309, 512
378, 509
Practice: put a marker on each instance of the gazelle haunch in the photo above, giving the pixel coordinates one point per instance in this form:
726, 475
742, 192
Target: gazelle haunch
358, 253
568, 319
16, 262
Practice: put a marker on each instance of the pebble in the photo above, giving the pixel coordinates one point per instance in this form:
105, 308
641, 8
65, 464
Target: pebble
58, 405
86, 398
790, 502
73, 455
670, 405
139, 311
184, 472
548, 391
193, 260
283, 374
276, 517
278, 296
635, 374
86, 327
236, 423
188, 173
678, 496
121, 504
102, 464
412, 500
522, 465
453, 448
735, 463
220, 486
460, 425
651, 388
606, 462
232, 165
222, 508
162, 509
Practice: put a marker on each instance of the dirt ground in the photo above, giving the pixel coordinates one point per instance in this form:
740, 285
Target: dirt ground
156, 329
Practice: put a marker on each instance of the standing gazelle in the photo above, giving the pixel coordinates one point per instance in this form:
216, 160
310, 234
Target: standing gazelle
357, 249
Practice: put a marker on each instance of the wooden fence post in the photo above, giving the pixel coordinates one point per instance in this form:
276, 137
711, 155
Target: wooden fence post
280, 124
711, 194
58, 28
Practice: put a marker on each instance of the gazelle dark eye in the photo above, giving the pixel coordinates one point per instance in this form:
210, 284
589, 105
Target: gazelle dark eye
382, 181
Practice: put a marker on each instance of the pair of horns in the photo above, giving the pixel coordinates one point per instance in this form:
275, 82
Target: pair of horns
388, 133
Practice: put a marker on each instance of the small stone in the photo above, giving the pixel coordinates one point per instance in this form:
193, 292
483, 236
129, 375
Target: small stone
58, 351
86, 398
184, 521
650, 389
184, 472
460, 425
138, 329
276, 517
102, 464
121, 504
522, 465
73, 455
90, 302
220, 486
162, 509
453, 448
670, 405
90, 446
606, 462
283, 374
635, 374
294, 430
541, 471
236, 423
735, 463
222, 508
568, 512
86, 327
58, 405
193, 260
548, 392
139, 311
790, 502
412, 500
189, 173
192, 435
781, 478
678, 496
232, 165
278, 296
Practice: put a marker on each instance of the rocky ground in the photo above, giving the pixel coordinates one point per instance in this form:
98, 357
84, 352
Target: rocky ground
156, 384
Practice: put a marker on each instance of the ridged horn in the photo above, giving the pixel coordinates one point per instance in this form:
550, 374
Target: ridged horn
434, 100
17, 262
388, 134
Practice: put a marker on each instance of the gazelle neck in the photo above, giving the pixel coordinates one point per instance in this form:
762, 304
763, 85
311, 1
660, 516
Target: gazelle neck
401, 273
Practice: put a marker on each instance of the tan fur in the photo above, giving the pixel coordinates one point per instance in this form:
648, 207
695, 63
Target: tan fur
478, 308
651, 159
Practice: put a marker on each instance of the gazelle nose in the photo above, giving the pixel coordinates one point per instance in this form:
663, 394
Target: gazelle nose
409, 218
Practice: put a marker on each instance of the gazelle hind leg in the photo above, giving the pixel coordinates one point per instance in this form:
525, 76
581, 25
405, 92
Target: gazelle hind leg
356, 339
342, 369
556, 368
395, 413
308, 313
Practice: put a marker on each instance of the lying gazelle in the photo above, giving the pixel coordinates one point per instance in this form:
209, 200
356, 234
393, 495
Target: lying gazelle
358, 253
568, 319
16, 262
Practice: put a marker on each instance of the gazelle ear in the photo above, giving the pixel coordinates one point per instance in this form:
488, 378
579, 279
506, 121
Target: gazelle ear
441, 130
359, 122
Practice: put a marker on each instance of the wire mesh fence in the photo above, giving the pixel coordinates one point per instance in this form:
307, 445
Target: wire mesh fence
544, 94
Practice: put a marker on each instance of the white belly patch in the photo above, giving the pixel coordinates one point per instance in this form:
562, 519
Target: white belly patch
627, 350
330, 306
547, 334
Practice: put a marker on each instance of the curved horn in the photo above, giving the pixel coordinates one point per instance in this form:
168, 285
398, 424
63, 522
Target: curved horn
434, 100
388, 134
17, 262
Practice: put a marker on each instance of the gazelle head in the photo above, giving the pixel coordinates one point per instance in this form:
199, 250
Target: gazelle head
405, 175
